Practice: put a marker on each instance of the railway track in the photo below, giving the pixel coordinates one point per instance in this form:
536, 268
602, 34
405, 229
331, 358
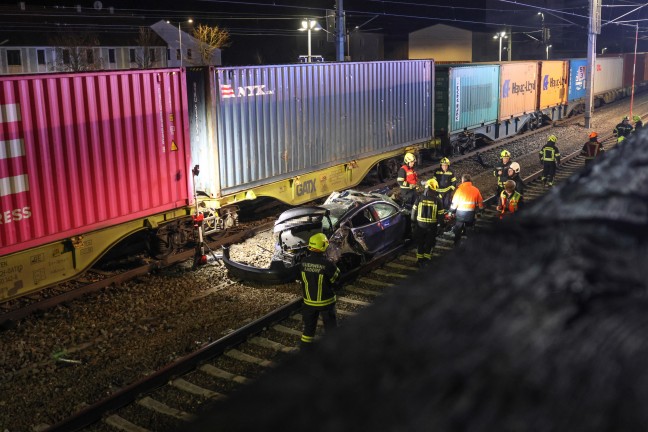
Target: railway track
168, 398
96, 279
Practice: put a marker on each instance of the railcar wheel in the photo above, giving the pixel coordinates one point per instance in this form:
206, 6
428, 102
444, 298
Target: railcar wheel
160, 245
387, 170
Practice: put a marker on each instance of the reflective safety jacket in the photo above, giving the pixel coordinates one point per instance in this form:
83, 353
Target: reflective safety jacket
465, 202
509, 203
428, 209
447, 181
501, 179
591, 149
407, 178
318, 275
550, 153
622, 131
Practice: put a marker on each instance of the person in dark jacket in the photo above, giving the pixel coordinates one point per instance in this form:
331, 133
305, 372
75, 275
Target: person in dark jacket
501, 171
623, 130
318, 276
549, 158
638, 123
427, 214
592, 148
514, 174
447, 182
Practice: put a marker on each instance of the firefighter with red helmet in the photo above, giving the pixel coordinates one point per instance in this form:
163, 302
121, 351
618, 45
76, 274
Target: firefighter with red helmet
427, 213
549, 158
408, 181
446, 180
318, 276
592, 148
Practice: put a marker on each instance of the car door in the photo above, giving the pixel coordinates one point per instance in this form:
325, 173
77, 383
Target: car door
366, 230
392, 222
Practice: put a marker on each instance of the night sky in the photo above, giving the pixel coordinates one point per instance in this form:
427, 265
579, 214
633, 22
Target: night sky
266, 31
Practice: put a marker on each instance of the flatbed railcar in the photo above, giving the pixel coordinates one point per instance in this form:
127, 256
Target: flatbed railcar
483, 102
88, 160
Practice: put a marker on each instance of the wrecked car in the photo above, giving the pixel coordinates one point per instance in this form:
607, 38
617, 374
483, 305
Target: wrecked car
360, 226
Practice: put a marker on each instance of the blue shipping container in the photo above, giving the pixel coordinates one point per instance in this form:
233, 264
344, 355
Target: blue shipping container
474, 96
577, 79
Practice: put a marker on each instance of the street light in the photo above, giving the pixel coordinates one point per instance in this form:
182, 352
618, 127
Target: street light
310, 25
500, 36
180, 35
548, 46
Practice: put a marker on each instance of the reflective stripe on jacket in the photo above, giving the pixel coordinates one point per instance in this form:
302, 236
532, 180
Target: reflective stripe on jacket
407, 177
591, 149
509, 204
549, 153
467, 198
428, 209
446, 179
318, 274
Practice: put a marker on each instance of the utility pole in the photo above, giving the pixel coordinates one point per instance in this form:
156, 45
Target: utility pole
594, 29
339, 29
510, 43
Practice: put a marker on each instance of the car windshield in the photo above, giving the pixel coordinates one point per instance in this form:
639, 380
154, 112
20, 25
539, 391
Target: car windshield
337, 211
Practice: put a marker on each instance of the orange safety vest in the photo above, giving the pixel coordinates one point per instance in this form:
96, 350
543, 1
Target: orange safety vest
467, 198
509, 204
411, 178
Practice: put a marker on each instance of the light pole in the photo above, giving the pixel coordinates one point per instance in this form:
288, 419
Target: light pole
309, 25
180, 36
548, 46
500, 36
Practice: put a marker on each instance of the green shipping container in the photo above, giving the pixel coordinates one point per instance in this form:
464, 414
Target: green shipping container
466, 97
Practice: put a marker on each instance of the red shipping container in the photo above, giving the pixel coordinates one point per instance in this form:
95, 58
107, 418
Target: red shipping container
80, 152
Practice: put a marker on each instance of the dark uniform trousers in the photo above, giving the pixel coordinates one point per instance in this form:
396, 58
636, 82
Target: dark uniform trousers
318, 275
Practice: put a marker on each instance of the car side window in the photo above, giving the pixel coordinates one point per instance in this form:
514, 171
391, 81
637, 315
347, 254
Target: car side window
384, 210
362, 218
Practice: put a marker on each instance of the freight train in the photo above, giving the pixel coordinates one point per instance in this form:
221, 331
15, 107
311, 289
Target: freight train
90, 159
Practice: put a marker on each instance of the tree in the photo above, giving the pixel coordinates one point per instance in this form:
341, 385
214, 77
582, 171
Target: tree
210, 39
74, 52
145, 40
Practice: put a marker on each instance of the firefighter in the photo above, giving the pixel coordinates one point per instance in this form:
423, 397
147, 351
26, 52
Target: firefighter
514, 174
592, 148
408, 181
549, 158
467, 204
318, 277
447, 182
622, 130
427, 214
501, 171
510, 201
638, 123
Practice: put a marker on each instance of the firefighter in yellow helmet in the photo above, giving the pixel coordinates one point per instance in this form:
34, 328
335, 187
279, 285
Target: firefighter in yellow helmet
318, 278
638, 124
501, 172
427, 216
447, 182
549, 158
623, 130
408, 181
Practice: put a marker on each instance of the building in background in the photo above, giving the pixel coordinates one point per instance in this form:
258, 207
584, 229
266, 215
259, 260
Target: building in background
442, 43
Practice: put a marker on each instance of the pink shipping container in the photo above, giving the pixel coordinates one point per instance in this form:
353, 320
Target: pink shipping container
81, 152
518, 89
554, 81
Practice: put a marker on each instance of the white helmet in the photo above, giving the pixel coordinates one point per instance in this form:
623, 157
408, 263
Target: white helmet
515, 167
409, 157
